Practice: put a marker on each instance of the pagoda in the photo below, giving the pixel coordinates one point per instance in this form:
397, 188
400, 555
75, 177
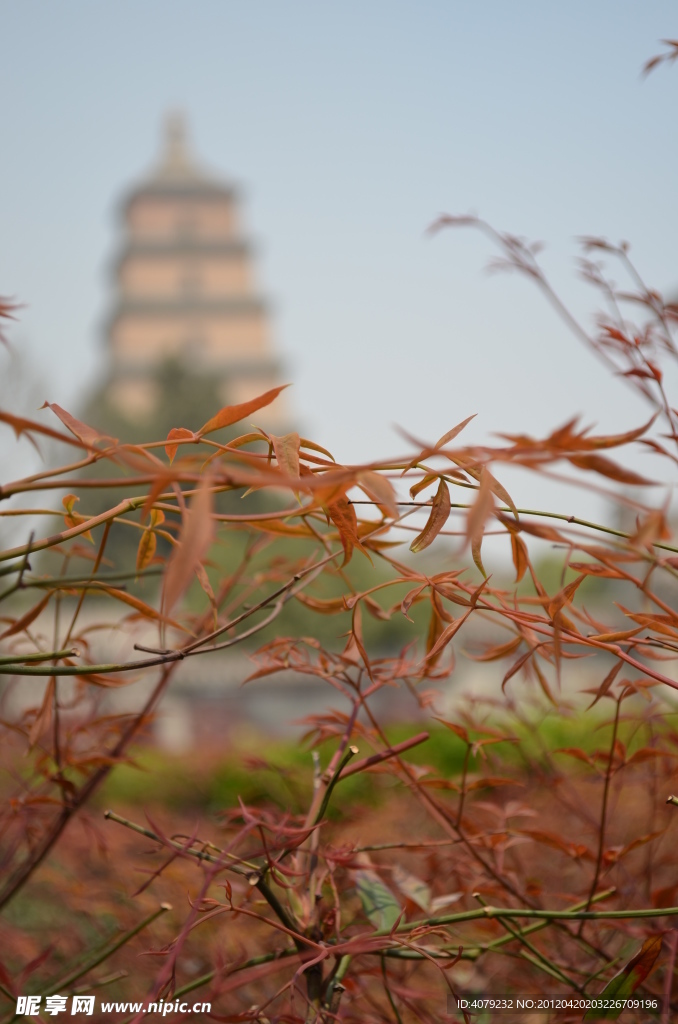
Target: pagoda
185, 289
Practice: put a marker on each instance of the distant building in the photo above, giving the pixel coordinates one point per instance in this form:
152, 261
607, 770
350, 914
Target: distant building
185, 290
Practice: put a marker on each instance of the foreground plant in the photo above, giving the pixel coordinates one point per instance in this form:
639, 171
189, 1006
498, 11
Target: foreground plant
527, 853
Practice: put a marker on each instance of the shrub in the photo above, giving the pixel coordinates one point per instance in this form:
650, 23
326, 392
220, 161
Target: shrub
519, 845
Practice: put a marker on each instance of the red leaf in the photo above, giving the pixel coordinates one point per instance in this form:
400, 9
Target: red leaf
146, 549
451, 434
421, 485
476, 545
21, 426
516, 666
234, 413
342, 514
495, 653
608, 468
446, 635
145, 610
410, 597
520, 557
606, 683
576, 752
176, 432
564, 596
648, 754
194, 541
379, 489
593, 569
88, 435
25, 621
481, 508
616, 440
322, 605
459, 730
440, 511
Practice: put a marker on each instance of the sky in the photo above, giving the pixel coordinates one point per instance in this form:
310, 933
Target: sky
351, 127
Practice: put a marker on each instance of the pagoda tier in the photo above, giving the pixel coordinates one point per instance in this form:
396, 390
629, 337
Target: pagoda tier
185, 288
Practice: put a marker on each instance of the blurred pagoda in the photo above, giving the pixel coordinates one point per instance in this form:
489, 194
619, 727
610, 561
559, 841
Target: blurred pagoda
188, 330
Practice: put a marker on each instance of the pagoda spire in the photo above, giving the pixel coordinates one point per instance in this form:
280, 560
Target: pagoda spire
177, 162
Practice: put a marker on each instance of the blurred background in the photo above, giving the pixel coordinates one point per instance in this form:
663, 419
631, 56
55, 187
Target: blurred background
200, 202
347, 130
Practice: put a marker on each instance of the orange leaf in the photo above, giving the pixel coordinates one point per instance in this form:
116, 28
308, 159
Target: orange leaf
481, 508
410, 598
648, 754
459, 730
234, 413
146, 549
421, 485
606, 467
356, 632
194, 541
495, 653
25, 621
616, 440
564, 596
175, 433
535, 529
379, 489
72, 518
305, 443
451, 434
520, 557
280, 528
576, 752
342, 514
440, 511
375, 609
516, 666
21, 425
476, 545
88, 435
446, 635
502, 493
146, 610
238, 442
606, 683
610, 638
593, 569
556, 842
204, 581
286, 450
322, 605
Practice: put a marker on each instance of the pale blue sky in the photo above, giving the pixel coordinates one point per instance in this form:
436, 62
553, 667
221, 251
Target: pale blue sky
352, 126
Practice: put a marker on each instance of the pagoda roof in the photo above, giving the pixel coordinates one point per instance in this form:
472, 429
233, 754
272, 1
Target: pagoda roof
262, 366
185, 306
184, 247
177, 173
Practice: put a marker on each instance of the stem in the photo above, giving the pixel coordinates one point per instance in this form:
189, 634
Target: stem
603, 811
540, 959
108, 951
387, 990
462, 792
668, 977
573, 520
